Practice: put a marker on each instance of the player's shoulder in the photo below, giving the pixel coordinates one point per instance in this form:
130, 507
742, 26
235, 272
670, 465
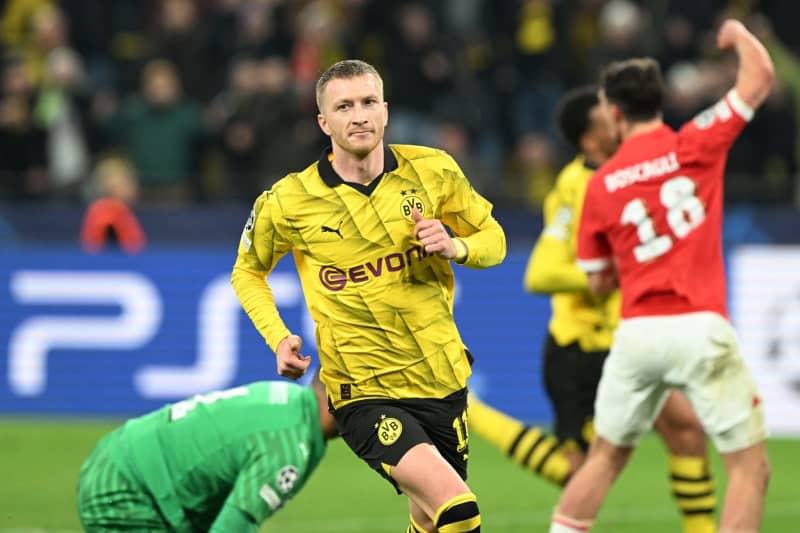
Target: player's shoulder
613, 164
292, 183
425, 155
413, 152
728, 109
596, 185
299, 180
696, 137
639, 160
267, 385
276, 392
574, 174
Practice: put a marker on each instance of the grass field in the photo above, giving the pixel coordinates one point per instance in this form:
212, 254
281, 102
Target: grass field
39, 461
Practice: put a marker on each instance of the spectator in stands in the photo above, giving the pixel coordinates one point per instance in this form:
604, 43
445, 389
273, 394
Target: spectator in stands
532, 169
160, 131
23, 154
624, 33
261, 29
420, 76
17, 78
110, 218
538, 31
63, 110
16, 21
787, 67
494, 67
453, 138
681, 30
182, 38
262, 134
31, 28
317, 44
237, 110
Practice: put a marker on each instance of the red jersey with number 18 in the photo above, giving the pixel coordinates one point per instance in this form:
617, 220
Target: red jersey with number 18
655, 208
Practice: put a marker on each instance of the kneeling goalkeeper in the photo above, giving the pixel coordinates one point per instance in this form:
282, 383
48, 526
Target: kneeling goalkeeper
223, 461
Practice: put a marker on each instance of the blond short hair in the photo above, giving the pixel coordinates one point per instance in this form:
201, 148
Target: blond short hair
349, 68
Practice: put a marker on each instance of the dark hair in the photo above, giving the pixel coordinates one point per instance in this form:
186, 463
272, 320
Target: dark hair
636, 86
572, 113
349, 68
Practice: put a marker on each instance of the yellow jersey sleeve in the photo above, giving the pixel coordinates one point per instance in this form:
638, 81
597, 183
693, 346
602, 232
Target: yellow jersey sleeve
469, 216
577, 314
551, 267
261, 245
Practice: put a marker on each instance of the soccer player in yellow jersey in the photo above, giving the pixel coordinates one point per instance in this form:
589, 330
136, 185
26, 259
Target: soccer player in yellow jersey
367, 225
579, 338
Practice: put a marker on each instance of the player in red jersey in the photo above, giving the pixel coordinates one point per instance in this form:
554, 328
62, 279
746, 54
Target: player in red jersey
652, 222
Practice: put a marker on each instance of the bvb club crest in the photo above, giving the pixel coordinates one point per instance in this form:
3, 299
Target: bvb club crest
389, 430
410, 201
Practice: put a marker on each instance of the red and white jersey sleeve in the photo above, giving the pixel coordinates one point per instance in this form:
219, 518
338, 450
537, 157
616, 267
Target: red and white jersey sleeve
711, 133
594, 250
655, 208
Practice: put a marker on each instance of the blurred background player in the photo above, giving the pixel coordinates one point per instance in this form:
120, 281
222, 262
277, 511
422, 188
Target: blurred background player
366, 227
223, 461
580, 333
651, 223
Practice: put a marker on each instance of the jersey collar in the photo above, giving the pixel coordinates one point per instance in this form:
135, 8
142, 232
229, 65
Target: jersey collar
332, 179
588, 164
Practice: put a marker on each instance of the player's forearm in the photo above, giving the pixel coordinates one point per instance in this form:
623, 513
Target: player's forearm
486, 247
258, 302
603, 282
756, 71
231, 518
550, 270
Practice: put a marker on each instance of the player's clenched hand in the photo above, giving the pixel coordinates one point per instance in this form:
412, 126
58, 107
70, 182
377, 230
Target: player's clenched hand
728, 33
434, 238
291, 363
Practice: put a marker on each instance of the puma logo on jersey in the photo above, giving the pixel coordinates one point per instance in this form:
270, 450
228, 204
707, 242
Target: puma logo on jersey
337, 231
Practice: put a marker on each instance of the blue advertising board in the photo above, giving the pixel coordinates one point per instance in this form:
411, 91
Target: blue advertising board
117, 335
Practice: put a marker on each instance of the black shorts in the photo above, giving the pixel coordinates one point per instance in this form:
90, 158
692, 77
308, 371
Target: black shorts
382, 431
570, 378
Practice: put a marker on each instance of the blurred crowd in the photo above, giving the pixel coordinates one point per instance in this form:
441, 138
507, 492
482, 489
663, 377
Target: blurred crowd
213, 100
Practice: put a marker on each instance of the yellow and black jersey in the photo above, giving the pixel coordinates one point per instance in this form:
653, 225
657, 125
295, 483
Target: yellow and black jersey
577, 314
383, 307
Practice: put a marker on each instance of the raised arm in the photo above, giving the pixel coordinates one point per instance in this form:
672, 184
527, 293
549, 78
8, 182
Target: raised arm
756, 72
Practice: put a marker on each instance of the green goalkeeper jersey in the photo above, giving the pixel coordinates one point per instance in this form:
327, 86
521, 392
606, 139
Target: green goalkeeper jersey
251, 447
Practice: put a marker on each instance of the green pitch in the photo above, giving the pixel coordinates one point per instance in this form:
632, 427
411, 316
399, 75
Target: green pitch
39, 461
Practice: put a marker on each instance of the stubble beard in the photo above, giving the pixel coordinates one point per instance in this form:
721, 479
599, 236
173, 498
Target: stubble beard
360, 150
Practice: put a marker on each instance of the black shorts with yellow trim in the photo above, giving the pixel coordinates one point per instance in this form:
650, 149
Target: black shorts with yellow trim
381, 431
571, 376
